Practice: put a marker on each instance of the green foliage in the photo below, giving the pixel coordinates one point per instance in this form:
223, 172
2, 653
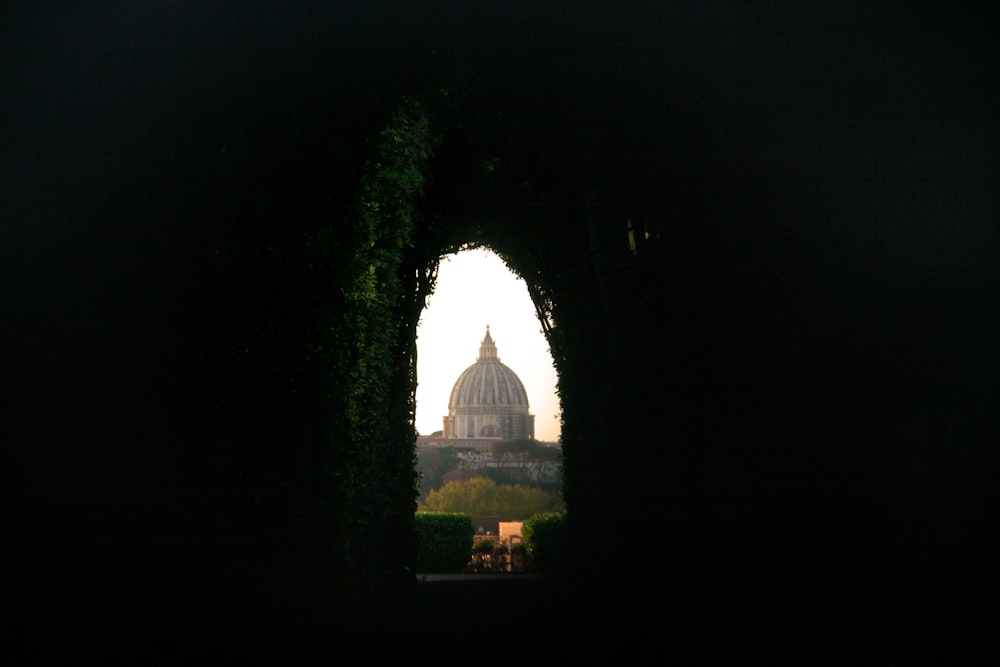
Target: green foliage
522, 449
444, 541
484, 497
360, 348
520, 460
432, 464
546, 542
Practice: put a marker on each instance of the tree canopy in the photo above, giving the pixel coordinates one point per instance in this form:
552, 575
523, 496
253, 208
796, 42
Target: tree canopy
484, 497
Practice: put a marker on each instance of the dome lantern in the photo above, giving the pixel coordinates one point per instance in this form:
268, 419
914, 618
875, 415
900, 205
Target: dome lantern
488, 349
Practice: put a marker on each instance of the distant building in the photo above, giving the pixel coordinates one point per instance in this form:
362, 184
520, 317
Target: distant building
488, 404
488, 401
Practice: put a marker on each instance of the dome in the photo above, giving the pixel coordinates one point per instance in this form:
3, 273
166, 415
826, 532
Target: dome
487, 382
488, 400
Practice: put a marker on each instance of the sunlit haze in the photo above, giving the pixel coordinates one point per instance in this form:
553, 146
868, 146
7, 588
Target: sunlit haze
475, 289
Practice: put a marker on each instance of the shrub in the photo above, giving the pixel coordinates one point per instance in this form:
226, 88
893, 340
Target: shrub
444, 541
545, 542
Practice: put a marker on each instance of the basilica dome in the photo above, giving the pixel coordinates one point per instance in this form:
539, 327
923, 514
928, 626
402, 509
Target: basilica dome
487, 382
488, 400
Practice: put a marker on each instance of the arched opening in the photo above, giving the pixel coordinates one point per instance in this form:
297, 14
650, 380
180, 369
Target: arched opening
474, 291
467, 405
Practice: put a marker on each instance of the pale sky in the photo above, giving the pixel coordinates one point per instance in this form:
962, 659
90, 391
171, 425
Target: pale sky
474, 289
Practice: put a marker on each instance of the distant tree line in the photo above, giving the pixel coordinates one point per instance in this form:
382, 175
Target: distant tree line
480, 496
520, 461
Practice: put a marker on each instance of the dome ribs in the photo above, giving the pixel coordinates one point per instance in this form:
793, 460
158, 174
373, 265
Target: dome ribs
487, 396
